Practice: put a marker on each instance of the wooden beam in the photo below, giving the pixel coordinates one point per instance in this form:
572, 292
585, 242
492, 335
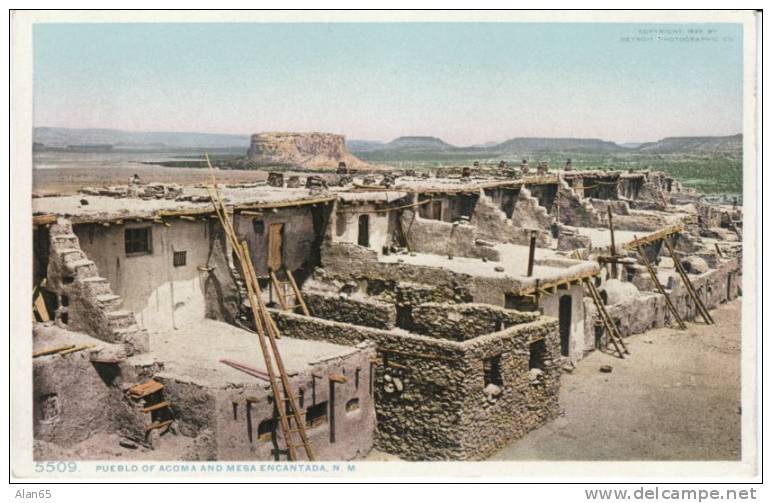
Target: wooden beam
653, 237
612, 246
338, 378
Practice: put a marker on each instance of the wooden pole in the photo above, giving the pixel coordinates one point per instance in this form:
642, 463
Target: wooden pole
660, 288
531, 254
612, 247
718, 251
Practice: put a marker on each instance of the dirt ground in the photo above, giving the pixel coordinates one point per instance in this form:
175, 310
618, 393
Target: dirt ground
676, 397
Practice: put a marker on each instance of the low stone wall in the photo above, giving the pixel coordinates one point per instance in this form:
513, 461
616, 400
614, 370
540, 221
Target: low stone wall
365, 311
460, 322
433, 397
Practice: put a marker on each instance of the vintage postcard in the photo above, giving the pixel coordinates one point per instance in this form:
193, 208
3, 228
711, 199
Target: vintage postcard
384, 244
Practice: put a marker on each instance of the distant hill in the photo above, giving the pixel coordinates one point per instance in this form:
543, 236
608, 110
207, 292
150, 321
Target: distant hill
694, 145
363, 145
62, 137
545, 145
418, 143
403, 144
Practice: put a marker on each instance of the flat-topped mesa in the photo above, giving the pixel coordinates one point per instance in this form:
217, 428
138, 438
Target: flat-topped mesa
324, 151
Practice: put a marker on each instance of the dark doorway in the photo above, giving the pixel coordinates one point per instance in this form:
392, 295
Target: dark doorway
564, 319
437, 210
364, 230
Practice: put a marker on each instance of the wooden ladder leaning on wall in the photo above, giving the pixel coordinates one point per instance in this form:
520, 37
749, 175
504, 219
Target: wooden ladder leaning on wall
285, 403
688, 284
280, 287
611, 329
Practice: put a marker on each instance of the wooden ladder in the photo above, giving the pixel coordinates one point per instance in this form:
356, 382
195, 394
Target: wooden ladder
285, 403
659, 286
284, 295
611, 329
688, 284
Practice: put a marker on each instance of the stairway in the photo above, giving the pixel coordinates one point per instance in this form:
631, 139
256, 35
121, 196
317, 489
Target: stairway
86, 300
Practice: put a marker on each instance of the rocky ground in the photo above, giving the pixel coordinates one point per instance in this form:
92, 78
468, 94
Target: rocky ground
677, 397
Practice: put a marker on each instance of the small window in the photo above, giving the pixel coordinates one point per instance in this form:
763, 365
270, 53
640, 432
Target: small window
137, 240
352, 405
180, 258
538, 354
259, 226
265, 430
492, 370
316, 415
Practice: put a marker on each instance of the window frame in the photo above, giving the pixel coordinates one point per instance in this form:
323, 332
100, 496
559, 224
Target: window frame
148, 230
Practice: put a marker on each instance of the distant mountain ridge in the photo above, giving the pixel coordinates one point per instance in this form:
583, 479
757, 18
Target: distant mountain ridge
62, 137
534, 145
694, 144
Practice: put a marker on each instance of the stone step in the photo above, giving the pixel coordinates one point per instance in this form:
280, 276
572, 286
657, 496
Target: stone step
120, 319
109, 301
84, 268
96, 286
65, 241
70, 255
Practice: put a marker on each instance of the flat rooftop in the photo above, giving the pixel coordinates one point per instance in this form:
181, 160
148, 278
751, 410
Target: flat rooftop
193, 353
548, 266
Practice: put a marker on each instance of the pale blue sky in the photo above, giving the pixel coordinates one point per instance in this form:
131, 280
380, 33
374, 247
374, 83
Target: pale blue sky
464, 82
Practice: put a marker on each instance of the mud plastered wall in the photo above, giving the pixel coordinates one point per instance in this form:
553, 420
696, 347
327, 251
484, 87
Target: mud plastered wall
85, 300
163, 295
491, 223
350, 226
240, 421
298, 236
566, 305
74, 399
444, 238
422, 387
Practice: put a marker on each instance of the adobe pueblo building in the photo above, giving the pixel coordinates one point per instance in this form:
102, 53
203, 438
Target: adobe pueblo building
427, 317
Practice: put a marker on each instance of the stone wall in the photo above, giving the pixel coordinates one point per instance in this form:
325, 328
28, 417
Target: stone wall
431, 396
359, 310
460, 322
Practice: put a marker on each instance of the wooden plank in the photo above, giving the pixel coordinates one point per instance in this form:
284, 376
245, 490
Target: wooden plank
79, 348
51, 351
275, 237
158, 406
146, 388
155, 426
40, 307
